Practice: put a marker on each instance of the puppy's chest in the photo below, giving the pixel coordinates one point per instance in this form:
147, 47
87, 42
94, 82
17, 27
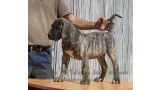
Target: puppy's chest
72, 49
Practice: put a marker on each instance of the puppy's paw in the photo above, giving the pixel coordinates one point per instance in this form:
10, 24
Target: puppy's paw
58, 79
116, 80
98, 79
85, 81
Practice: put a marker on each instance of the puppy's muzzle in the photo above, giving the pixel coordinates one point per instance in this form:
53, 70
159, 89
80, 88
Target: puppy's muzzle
50, 36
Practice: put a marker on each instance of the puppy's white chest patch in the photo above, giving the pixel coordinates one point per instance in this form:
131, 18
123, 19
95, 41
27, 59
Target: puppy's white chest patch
70, 53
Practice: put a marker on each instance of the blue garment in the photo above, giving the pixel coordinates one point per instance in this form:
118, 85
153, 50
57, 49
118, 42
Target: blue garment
40, 64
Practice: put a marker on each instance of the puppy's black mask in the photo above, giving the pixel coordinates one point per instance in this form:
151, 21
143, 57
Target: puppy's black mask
56, 30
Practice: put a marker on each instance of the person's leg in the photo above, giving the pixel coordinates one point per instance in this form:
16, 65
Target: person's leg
30, 63
30, 69
39, 66
42, 65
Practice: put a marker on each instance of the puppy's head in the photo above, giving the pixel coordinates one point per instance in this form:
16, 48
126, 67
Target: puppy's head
58, 28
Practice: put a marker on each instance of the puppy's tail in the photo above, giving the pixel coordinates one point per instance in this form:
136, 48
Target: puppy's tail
111, 21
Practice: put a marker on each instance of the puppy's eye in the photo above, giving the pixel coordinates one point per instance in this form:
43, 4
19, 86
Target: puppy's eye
58, 28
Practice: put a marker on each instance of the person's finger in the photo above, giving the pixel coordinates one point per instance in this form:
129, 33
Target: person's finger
104, 19
112, 23
108, 19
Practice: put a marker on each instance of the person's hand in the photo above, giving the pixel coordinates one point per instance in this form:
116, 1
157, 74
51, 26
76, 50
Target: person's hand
103, 24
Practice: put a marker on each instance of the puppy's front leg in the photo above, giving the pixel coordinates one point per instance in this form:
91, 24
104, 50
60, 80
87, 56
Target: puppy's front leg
64, 67
85, 70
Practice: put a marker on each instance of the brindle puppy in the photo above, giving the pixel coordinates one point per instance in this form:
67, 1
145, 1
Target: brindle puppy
83, 47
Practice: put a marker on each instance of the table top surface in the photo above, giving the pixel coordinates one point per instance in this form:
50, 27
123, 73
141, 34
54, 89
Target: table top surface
49, 84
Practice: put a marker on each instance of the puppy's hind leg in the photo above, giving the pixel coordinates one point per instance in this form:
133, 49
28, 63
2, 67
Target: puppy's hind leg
104, 67
64, 67
112, 55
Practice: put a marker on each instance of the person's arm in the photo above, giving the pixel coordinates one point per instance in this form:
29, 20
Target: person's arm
101, 24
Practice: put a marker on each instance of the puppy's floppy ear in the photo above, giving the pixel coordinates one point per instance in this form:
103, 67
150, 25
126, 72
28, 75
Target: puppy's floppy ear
66, 26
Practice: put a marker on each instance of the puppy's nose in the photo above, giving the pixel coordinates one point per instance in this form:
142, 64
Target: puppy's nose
49, 34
